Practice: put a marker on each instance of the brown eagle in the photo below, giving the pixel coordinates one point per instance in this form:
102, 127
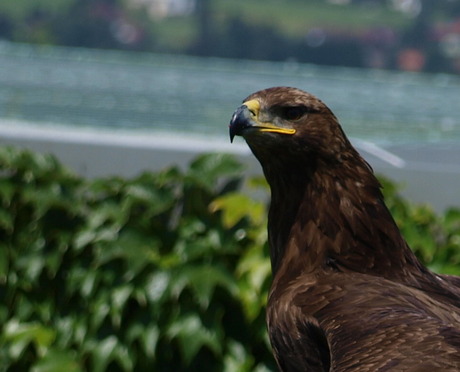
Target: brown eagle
347, 294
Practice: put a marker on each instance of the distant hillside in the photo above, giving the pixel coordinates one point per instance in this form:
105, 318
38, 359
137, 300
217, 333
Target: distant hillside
417, 35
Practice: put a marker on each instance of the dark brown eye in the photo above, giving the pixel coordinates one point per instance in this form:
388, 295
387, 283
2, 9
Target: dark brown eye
292, 112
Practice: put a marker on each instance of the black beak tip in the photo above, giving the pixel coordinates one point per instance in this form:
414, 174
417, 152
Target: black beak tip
238, 122
232, 134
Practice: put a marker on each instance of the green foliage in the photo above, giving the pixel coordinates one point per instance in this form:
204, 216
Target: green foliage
166, 271
126, 275
435, 239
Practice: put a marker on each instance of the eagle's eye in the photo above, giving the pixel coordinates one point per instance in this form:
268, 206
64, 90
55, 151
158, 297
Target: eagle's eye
291, 112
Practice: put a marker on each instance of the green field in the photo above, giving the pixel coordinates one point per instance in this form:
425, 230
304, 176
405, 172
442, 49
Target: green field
294, 18
290, 18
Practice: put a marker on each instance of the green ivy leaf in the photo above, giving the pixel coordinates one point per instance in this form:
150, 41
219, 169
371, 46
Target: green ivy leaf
157, 285
150, 338
237, 359
202, 280
157, 200
58, 361
452, 220
207, 169
109, 350
236, 206
119, 298
20, 335
192, 335
254, 271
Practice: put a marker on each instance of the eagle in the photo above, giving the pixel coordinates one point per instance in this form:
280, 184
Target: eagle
347, 292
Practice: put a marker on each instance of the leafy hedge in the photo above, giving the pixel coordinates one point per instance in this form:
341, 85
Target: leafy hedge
166, 271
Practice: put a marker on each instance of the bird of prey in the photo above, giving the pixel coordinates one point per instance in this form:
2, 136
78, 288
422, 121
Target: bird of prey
347, 293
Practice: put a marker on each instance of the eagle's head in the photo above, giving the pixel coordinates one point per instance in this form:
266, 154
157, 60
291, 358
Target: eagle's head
288, 122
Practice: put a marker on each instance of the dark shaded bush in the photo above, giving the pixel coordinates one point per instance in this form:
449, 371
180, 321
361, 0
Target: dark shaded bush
166, 271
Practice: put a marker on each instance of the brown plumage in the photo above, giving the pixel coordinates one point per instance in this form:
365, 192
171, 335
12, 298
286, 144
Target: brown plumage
347, 293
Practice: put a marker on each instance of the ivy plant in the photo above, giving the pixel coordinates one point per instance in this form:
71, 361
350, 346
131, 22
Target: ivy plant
164, 271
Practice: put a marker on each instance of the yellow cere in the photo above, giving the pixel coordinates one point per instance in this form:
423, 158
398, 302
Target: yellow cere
253, 105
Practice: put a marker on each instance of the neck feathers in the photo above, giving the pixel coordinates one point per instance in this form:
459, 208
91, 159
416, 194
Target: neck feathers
334, 215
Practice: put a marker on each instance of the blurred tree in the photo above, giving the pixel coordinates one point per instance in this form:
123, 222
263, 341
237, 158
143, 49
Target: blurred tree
262, 42
205, 41
6, 27
419, 48
334, 32
88, 23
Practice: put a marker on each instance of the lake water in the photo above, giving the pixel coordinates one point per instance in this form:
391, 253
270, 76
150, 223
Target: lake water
146, 92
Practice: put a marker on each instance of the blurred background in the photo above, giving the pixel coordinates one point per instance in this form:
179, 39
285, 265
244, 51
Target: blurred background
110, 268
409, 35
155, 81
